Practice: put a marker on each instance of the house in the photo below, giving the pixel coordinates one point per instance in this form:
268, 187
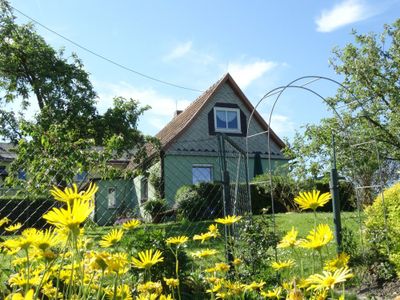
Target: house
189, 144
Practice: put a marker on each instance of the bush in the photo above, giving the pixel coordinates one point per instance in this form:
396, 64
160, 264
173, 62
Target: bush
375, 224
155, 208
285, 188
199, 202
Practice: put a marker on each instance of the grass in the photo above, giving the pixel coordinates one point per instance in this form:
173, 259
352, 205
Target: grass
303, 222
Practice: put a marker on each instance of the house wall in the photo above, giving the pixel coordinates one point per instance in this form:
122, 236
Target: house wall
125, 200
199, 129
178, 170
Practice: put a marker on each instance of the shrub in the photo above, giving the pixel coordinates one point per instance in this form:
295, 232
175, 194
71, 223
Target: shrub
155, 208
375, 224
199, 202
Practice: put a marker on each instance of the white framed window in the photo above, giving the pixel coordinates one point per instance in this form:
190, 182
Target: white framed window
144, 189
202, 173
111, 197
227, 119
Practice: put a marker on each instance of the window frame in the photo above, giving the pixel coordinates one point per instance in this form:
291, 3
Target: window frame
227, 109
203, 166
112, 203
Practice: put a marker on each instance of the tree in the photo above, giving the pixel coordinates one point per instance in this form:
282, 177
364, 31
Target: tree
64, 136
370, 110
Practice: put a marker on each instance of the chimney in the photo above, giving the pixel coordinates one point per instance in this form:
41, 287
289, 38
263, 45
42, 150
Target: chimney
177, 112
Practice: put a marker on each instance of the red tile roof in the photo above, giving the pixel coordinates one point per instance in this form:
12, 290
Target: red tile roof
181, 122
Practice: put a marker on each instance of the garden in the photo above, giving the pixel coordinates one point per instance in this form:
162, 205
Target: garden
231, 257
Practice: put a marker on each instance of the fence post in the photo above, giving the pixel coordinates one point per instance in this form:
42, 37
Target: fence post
226, 194
334, 187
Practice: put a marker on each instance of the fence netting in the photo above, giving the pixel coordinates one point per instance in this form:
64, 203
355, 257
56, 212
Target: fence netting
192, 184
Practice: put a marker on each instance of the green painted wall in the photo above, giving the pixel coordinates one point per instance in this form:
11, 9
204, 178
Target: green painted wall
178, 170
125, 200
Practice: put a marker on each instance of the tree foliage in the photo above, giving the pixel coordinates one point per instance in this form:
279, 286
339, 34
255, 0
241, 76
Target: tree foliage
67, 135
368, 130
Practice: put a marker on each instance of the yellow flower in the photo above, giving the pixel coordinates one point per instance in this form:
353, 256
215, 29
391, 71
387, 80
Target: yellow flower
51, 292
70, 194
223, 267
317, 238
123, 293
13, 227
4, 220
111, 238
46, 239
254, 286
147, 259
22, 280
279, 265
147, 296
204, 253
150, 287
228, 220
171, 282
203, 237
28, 296
71, 217
328, 280
312, 200
289, 240
98, 260
272, 294
236, 262
167, 297
295, 294
338, 262
131, 224
213, 230
177, 240
117, 263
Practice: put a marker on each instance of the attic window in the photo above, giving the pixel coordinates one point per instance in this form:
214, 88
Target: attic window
227, 119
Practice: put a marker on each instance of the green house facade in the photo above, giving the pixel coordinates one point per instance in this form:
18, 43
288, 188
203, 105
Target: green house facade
189, 152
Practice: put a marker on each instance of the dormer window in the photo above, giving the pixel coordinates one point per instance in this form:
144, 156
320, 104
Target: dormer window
227, 119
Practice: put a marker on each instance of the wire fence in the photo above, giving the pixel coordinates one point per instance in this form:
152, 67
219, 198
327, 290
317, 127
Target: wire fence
195, 181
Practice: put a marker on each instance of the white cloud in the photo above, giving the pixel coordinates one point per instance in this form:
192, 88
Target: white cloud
162, 107
344, 13
245, 73
179, 51
282, 125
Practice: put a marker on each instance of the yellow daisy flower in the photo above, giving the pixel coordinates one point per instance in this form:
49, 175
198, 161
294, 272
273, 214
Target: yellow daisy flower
150, 287
116, 263
4, 220
177, 240
237, 262
254, 286
272, 294
203, 237
317, 238
171, 282
228, 220
213, 230
13, 227
46, 239
222, 267
111, 238
204, 253
328, 280
131, 224
147, 259
166, 297
71, 194
289, 240
28, 296
312, 200
280, 265
123, 292
341, 261
71, 217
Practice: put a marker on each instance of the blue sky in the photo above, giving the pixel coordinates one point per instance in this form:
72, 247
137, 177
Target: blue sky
263, 44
